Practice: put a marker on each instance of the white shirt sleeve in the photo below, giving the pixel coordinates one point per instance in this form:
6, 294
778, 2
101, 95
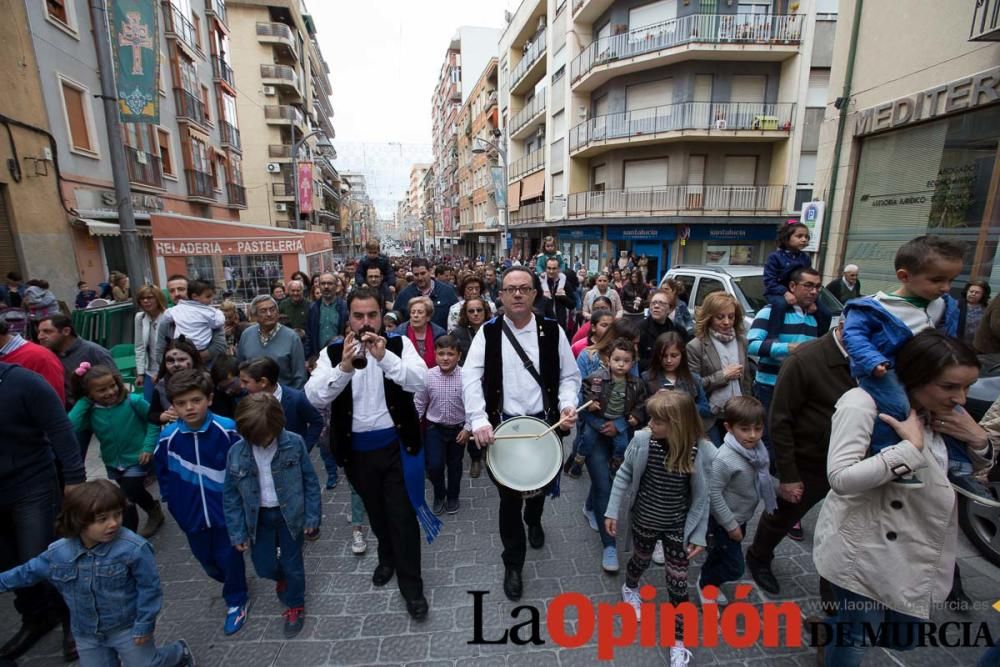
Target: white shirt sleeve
472, 383
326, 382
569, 374
409, 372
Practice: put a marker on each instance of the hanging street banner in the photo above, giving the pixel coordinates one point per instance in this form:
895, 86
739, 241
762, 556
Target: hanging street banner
135, 35
305, 193
499, 186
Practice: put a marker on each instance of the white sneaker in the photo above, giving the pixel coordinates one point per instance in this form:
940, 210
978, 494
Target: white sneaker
720, 599
631, 596
358, 544
679, 656
658, 553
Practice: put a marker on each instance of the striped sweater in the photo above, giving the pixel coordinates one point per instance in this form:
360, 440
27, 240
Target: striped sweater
798, 327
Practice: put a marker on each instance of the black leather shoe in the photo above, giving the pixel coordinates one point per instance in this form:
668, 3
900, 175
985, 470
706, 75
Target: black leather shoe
762, 575
69, 645
512, 584
536, 537
382, 575
26, 637
417, 609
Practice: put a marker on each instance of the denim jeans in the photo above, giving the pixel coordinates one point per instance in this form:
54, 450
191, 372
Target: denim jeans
600, 484
108, 650
26, 530
357, 508
442, 450
853, 612
277, 554
591, 427
148, 387
725, 559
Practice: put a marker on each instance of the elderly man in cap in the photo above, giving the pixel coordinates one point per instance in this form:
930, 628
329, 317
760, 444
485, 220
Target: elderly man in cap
847, 286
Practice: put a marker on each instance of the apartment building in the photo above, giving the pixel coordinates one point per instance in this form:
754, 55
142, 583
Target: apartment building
681, 130
465, 58
358, 213
918, 128
415, 190
477, 120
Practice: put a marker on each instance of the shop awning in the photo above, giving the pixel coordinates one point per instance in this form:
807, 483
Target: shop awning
514, 196
101, 228
533, 186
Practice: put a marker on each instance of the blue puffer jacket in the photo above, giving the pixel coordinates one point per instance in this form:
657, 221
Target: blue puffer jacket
779, 266
873, 335
295, 484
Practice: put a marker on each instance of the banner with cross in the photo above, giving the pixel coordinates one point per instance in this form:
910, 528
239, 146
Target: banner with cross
135, 39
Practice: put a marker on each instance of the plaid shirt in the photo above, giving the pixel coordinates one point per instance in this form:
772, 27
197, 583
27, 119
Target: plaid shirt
441, 397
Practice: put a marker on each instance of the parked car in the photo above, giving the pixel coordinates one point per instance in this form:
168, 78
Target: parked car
746, 283
981, 524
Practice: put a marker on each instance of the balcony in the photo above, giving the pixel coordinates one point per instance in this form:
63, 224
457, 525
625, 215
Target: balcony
455, 91
284, 114
328, 190
143, 168
279, 152
491, 100
200, 185
706, 200
230, 136
530, 117
284, 191
221, 71
706, 121
217, 8
190, 107
330, 219
237, 195
282, 76
280, 35
528, 213
179, 27
532, 62
748, 37
530, 163
985, 21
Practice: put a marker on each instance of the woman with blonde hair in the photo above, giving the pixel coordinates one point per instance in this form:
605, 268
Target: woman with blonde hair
149, 306
718, 355
421, 331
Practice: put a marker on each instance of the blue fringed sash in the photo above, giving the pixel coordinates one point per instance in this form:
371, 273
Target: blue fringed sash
413, 478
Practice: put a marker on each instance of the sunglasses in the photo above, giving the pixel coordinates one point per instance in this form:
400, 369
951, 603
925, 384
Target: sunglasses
474, 310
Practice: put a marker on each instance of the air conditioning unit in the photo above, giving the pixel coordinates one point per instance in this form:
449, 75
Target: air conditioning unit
281, 208
270, 91
273, 167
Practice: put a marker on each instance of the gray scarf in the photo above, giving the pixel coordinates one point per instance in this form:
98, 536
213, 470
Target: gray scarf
761, 463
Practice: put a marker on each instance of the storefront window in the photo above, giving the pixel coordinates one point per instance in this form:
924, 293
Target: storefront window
199, 267
250, 275
928, 179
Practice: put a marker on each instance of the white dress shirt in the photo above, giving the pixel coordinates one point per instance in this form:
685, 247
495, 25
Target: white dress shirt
521, 394
263, 456
370, 410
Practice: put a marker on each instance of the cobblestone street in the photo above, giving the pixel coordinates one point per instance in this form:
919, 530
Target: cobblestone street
350, 622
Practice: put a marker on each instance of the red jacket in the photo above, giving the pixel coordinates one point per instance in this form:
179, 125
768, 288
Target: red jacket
43, 361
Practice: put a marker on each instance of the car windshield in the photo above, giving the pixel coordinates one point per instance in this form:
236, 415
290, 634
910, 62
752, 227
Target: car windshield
752, 290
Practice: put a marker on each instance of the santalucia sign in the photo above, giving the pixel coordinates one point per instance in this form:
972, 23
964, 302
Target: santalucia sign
973, 91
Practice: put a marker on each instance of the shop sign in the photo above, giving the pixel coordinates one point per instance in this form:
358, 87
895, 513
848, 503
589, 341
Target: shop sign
280, 246
737, 233
106, 201
812, 217
650, 233
580, 234
967, 93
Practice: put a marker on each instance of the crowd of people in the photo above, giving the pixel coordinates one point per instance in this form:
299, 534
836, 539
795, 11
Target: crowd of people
394, 369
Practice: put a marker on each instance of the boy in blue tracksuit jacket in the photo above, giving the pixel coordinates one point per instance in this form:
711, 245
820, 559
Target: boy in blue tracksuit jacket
876, 327
190, 460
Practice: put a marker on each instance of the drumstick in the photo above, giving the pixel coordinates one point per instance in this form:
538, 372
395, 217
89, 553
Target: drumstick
559, 423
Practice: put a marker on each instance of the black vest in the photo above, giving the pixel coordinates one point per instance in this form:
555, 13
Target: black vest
548, 357
398, 401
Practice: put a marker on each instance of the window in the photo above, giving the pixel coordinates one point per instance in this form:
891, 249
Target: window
166, 153
62, 13
204, 101
196, 22
140, 136
819, 82
646, 173
806, 179
199, 156
78, 117
707, 286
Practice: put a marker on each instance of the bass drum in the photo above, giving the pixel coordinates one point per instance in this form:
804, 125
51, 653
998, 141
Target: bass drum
521, 460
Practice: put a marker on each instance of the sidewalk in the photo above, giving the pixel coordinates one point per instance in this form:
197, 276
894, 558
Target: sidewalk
350, 622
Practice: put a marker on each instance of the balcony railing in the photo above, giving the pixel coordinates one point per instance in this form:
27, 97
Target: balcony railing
221, 71
528, 213
200, 184
179, 26
284, 112
190, 106
491, 100
277, 32
279, 151
217, 7
143, 167
675, 199
237, 194
282, 73
683, 116
534, 107
696, 28
535, 51
985, 21
230, 135
529, 163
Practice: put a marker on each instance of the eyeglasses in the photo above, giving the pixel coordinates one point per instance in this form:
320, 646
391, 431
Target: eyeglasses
473, 311
810, 286
520, 289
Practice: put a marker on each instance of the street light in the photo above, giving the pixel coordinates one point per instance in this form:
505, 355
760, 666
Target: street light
322, 145
479, 148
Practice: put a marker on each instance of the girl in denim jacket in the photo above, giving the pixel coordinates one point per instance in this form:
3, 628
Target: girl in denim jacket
107, 576
272, 501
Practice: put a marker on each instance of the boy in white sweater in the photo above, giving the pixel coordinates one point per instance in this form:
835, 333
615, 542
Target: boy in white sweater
740, 480
196, 318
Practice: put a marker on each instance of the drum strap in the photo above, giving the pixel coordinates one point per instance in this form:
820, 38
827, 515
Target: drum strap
529, 366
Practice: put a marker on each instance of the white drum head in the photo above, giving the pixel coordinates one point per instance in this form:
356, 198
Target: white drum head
528, 463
